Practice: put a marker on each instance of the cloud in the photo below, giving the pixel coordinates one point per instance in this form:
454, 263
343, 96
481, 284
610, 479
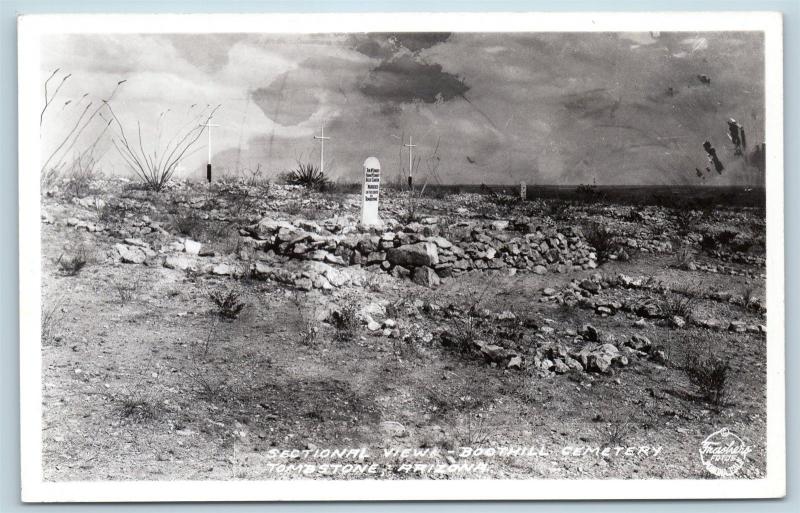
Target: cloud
554, 108
405, 79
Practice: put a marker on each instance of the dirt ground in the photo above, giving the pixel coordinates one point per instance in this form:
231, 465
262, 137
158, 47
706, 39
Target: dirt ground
143, 380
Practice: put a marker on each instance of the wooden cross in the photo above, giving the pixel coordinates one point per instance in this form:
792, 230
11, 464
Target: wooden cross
322, 140
209, 125
410, 147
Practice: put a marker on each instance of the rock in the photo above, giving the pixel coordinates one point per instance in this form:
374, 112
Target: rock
192, 247
589, 332
590, 286
304, 284
737, 326
373, 325
677, 321
640, 343
559, 367
376, 257
573, 364
659, 356
641, 323
549, 291
600, 357
136, 242
493, 352
400, 272
547, 330
441, 242
506, 316
426, 277
515, 363
372, 309
179, 262
712, 324
540, 269
336, 277
394, 429
222, 270
389, 323
414, 255
130, 254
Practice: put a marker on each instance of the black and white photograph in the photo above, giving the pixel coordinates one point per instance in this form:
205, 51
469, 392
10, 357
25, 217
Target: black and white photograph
412, 256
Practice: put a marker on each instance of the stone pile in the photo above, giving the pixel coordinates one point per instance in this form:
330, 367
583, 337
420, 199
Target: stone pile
417, 250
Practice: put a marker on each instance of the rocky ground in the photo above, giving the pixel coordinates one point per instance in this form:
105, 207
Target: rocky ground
197, 332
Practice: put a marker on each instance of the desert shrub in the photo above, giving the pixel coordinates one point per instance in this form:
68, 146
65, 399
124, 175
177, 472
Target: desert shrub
672, 305
726, 237
307, 321
112, 213
187, 222
504, 200
78, 178
615, 427
227, 302
309, 176
601, 240
71, 265
685, 220
709, 243
709, 374
464, 333
137, 408
345, 321
126, 290
52, 320
683, 258
155, 166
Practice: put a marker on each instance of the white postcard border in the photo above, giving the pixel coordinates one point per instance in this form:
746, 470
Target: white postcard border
34, 489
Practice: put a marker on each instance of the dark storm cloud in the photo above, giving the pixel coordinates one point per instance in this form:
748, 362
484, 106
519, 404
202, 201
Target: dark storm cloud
403, 75
406, 79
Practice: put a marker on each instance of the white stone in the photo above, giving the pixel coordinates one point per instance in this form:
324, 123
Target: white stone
192, 247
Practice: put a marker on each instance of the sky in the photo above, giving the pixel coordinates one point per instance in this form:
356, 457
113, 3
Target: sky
544, 108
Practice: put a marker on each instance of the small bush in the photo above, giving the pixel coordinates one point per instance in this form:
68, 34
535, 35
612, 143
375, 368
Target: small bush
504, 200
601, 240
227, 302
684, 258
112, 213
726, 237
308, 176
686, 221
710, 374
709, 243
137, 408
672, 305
78, 179
72, 265
345, 321
126, 291
52, 320
187, 222
307, 321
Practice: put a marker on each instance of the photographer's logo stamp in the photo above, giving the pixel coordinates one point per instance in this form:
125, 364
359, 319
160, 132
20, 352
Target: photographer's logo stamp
723, 453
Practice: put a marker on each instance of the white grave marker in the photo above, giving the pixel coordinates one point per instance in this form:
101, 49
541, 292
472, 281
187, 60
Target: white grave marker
371, 191
523, 191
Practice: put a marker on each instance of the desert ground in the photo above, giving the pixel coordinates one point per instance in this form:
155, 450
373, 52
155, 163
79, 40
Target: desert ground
188, 333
